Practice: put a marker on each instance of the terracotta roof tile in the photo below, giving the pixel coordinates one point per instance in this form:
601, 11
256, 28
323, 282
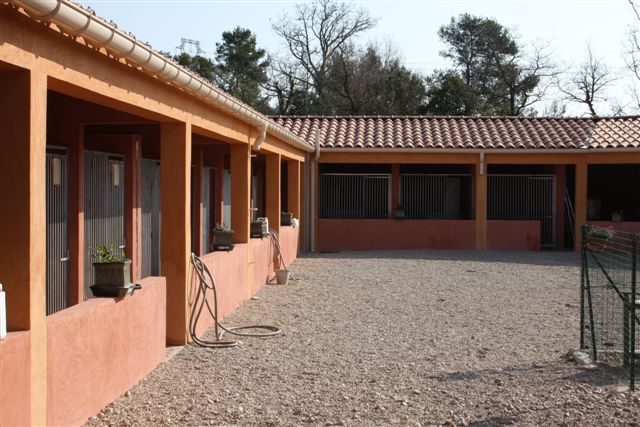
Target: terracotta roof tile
419, 132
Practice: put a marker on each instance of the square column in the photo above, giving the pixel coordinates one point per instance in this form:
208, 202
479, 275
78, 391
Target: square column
23, 120
175, 238
582, 172
561, 184
240, 191
133, 204
198, 194
480, 179
76, 213
273, 207
293, 188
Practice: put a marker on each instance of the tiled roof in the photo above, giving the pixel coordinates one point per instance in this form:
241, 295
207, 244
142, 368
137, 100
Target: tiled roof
616, 132
419, 132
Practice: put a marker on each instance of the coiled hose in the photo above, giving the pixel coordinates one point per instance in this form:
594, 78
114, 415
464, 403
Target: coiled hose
207, 283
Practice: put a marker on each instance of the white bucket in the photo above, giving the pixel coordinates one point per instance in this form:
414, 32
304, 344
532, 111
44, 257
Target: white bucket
282, 277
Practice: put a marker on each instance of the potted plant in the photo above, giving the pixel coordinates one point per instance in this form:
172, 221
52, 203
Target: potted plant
112, 271
286, 218
222, 238
399, 212
598, 237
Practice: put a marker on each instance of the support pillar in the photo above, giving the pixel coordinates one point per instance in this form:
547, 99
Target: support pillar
481, 206
273, 207
582, 172
133, 204
560, 172
72, 133
294, 193
198, 193
23, 120
240, 192
175, 178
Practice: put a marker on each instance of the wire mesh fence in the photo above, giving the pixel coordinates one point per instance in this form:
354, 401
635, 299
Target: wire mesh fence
610, 306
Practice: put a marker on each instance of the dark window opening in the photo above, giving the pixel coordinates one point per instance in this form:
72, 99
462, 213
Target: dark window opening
613, 193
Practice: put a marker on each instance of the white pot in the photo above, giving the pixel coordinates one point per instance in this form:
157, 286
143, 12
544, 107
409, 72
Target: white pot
282, 277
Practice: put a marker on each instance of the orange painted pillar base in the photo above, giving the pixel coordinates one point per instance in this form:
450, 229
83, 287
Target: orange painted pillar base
240, 192
23, 120
175, 238
582, 172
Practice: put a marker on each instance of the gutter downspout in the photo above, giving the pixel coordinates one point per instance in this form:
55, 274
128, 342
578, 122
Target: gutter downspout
76, 21
262, 129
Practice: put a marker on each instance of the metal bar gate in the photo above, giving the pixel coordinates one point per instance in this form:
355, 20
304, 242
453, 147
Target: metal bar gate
433, 196
207, 174
151, 218
359, 196
57, 232
103, 207
524, 198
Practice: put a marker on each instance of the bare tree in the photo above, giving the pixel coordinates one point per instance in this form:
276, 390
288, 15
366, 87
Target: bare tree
288, 87
632, 52
588, 82
556, 108
317, 32
374, 81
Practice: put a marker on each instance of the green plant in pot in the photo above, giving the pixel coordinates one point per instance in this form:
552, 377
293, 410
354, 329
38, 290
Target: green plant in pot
222, 238
598, 237
112, 270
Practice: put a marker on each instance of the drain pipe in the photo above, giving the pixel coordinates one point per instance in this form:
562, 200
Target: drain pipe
312, 211
73, 20
262, 129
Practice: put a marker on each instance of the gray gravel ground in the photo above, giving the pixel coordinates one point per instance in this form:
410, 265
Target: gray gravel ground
396, 337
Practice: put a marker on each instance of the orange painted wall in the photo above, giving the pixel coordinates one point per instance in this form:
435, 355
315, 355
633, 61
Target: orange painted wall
365, 234
513, 235
263, 256
289, 238
100, 348
229, 270
15, 371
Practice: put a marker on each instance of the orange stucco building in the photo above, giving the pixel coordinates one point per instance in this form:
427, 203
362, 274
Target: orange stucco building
497, 183
104, 140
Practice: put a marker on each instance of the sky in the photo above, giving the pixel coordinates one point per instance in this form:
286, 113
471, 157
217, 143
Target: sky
411, 25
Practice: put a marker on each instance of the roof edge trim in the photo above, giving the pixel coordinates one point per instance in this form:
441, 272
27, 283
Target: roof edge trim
77, 21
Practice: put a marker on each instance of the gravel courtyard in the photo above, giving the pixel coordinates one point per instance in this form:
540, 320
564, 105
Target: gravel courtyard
396, 337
